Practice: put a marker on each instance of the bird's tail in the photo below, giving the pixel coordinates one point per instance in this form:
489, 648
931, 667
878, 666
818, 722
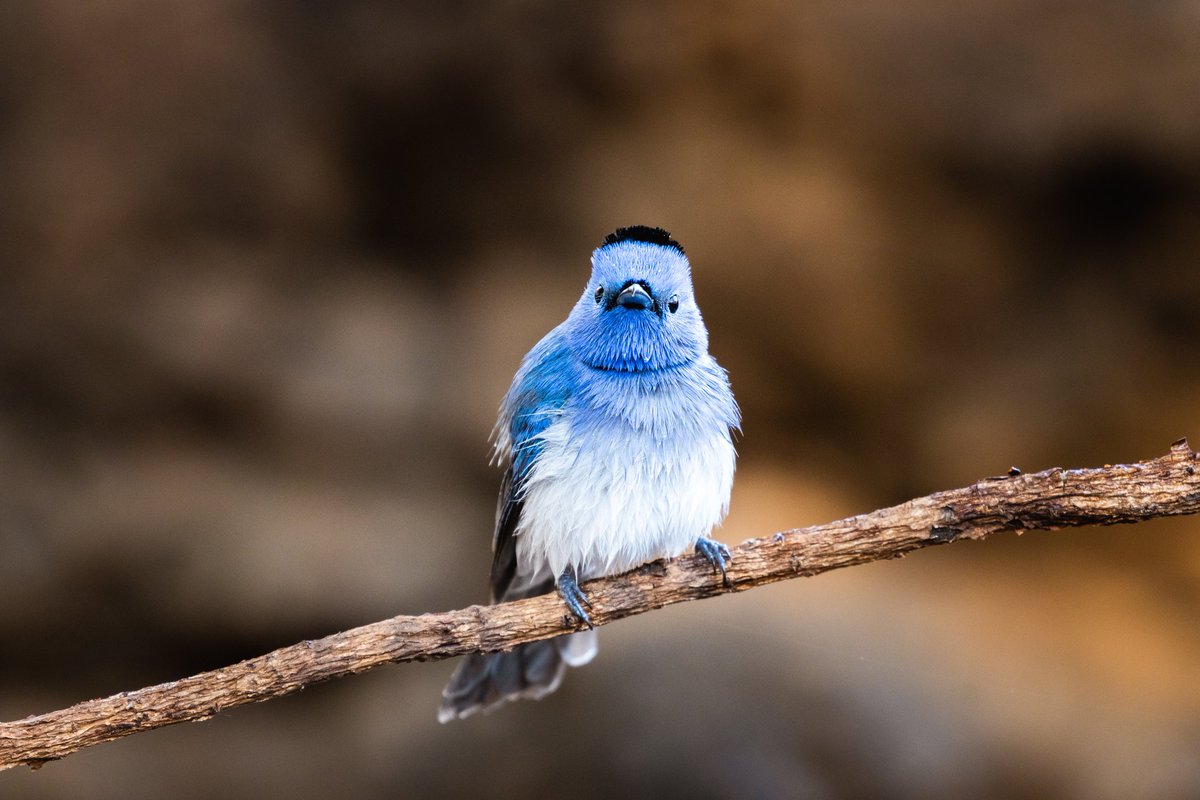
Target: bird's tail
531, 671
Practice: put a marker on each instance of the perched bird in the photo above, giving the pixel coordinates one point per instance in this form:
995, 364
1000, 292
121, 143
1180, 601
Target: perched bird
617, 437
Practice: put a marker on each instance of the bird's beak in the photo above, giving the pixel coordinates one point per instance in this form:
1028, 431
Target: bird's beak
635, 298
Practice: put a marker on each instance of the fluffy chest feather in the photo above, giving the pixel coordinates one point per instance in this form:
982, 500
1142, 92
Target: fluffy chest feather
630, 471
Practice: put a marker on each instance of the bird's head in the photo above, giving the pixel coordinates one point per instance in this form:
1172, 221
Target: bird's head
638, 311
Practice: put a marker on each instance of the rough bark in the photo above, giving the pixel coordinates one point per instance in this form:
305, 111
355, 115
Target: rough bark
1047, 500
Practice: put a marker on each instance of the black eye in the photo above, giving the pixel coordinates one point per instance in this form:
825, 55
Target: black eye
673, 303
599, 293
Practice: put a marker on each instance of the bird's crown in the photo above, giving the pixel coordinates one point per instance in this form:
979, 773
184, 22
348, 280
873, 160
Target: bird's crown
641, 233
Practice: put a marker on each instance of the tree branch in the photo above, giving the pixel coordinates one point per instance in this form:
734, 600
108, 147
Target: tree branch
1054, 498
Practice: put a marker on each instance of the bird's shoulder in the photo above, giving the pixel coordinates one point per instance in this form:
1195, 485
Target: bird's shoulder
541, 388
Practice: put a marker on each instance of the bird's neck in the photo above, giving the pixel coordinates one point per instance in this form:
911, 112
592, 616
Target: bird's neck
662, 401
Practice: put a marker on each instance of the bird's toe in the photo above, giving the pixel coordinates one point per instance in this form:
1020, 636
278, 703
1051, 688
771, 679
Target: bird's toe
717, 554
573, 596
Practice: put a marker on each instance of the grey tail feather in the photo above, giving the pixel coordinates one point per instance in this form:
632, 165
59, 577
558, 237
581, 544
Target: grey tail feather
530, 672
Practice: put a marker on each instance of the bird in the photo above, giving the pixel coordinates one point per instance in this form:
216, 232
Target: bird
617, 441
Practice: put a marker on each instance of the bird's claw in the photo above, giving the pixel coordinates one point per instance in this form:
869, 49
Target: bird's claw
717, 554
573, 596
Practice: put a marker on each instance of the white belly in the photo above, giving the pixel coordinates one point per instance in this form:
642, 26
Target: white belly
606, 509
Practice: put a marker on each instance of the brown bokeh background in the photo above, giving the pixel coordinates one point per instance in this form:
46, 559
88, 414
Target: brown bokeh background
266, 270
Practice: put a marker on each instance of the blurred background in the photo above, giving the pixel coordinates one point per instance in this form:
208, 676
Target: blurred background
266, 271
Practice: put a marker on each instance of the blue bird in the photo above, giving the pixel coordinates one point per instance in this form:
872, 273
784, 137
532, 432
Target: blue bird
617, 434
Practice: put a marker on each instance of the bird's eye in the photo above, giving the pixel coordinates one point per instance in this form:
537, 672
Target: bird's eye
599, 294
673, 303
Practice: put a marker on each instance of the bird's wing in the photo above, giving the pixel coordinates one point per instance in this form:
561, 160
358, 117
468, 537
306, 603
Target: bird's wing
539, 394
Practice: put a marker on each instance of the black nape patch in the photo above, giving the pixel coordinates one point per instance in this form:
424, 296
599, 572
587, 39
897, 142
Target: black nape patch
642, 233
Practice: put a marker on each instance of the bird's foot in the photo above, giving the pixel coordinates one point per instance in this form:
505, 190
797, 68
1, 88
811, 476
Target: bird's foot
717, 555
569, 591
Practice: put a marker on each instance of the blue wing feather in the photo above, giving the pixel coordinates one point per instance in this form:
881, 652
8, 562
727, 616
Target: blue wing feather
540, 391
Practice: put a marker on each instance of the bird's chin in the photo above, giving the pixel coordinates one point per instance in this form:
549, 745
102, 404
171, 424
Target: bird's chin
636, 366
634, 345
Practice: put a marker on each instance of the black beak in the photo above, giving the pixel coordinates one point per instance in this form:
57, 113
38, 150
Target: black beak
635, 298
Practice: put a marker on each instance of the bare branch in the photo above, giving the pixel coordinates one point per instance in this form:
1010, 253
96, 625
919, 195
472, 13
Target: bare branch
1054, 498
